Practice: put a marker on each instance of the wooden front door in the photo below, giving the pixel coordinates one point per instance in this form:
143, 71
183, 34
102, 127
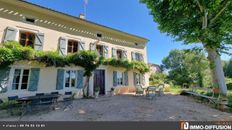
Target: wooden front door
99, 80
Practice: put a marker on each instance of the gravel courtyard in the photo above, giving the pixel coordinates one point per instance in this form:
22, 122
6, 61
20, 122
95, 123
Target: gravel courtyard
131, 108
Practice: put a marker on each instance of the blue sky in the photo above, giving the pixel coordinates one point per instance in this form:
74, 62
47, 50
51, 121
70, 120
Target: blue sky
126, 15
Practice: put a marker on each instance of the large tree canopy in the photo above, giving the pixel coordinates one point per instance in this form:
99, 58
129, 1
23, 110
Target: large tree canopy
197, 21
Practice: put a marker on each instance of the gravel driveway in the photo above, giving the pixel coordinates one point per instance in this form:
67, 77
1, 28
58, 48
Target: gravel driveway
132, 108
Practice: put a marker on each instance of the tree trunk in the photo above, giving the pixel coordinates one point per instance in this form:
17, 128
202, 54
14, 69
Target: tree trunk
217, 70
86, 86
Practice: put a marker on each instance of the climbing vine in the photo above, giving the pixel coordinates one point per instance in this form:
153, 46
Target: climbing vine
11, 52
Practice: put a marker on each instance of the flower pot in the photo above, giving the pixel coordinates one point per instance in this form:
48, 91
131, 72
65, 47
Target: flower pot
216, 90
96, 94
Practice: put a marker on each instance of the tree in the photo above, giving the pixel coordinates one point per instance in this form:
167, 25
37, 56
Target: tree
198, 21
186, 66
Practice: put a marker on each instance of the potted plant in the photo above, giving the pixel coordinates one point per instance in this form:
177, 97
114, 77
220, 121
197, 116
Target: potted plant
96, 91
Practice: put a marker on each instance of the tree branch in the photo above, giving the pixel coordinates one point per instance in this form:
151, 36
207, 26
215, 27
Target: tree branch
199, 5
220, 12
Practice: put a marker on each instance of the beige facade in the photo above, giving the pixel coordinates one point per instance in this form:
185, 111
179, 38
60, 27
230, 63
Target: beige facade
54, 25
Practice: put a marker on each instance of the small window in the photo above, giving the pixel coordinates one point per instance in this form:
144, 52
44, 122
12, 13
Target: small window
119, 54
27, 39
99, 35
136, 44
99, 49
138, 57
21, 78
70, 79
30, 20
72, 46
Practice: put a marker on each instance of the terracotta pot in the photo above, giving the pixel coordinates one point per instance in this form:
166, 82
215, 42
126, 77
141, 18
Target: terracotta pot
216, 90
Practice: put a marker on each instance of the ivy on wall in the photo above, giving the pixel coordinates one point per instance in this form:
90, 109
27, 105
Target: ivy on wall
11, 52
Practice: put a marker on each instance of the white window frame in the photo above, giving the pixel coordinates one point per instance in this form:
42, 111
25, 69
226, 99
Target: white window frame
138, 79
21, 78
122, 76
70, 87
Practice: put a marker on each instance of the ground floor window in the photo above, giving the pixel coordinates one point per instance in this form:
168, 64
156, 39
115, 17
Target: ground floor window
119, 78
137, 79
21, 78
70, 78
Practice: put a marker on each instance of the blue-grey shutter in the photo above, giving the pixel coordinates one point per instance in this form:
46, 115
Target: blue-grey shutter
135, 79
80, 78
10, 34
132, 56
115, 78
106, 51
62, 46
4, 78
34, 79
114, 53
126, 78
124, 54
92, 46
60, 79
81, 46
39, 41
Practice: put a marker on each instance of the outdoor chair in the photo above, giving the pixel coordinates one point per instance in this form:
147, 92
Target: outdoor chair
12, 103
160, 89
68, 100
139, 90
151, 92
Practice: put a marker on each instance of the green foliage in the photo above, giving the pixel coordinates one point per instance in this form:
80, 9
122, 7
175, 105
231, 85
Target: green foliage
89, 60
227, 67
157, 78
187, 67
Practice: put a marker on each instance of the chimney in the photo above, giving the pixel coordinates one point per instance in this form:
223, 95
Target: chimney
82, 16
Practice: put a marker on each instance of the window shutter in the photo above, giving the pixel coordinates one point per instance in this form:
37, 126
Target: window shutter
92, 46
39, 41
106, 51
62, 46
81, 46
34, 79
135, 80
4, 78
80, 75
141, 57
126, 78
115, 78
124, 54
10, 34
114, 53
60, 79
132, 56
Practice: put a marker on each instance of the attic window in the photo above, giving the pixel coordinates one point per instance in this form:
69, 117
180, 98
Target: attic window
136, 44
99, 35
30, 20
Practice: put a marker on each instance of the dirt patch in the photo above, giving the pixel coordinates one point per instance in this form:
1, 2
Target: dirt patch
132, 108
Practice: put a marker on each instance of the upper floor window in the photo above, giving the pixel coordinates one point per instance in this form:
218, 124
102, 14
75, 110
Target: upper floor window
99, 49
119, 54
72, 46
27, 39
137, 56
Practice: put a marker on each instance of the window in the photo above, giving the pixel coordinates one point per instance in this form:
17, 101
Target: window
30, 20
27, 39
72, 46
119, 54
99, 35
137, 77
138, 57
119, 78
99, 49
70, 78
20, 80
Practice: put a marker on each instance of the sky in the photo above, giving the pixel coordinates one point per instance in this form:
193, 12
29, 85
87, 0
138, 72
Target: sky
126, 15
